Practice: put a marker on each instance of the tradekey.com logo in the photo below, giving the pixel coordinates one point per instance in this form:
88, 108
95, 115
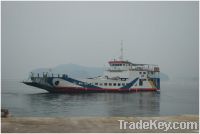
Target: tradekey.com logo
155, 124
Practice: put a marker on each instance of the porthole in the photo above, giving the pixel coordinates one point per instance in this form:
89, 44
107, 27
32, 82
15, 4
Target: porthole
56, 83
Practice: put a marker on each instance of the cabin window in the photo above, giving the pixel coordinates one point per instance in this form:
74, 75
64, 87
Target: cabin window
119, 84
110, 84
101, 84
105, 84
140, 72
114, 84
123, 79
144, 72
96, 83
123, 84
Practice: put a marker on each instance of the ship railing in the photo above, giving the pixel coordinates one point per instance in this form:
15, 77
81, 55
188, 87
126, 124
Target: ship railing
134, 69
46, 75
151, 68
145, 69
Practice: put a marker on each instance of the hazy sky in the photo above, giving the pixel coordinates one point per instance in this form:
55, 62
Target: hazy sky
46, 34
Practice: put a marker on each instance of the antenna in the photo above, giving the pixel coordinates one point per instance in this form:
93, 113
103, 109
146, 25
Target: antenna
121, 56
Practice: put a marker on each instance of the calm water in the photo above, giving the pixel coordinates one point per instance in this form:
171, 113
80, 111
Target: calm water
175, 98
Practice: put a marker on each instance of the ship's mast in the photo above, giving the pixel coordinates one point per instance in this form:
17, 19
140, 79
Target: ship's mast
121, 56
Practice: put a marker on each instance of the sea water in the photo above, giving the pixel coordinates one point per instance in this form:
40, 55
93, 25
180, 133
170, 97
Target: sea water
174, 98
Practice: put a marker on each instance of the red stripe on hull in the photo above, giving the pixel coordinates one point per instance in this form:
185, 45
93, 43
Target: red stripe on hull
78, 89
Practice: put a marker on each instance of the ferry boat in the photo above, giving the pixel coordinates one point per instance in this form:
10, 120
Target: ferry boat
120, 76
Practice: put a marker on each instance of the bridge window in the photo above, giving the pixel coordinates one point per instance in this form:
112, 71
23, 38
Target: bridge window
144, 72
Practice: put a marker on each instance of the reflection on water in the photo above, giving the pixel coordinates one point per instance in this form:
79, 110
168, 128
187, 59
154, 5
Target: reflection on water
173, 99
95, 104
